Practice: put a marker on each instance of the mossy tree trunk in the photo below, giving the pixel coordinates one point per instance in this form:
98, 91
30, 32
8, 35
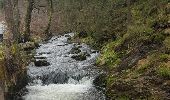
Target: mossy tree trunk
11, 39
12, 19
28, 20
50, 14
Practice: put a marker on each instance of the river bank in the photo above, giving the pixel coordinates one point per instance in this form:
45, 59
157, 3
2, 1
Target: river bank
61, 71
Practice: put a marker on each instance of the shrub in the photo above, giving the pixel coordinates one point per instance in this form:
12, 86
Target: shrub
163, 70
167, 43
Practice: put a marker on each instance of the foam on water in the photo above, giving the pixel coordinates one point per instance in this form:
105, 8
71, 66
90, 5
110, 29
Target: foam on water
78, 75
56, 92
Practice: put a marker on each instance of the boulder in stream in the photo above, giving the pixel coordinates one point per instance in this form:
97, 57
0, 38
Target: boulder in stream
56, 78
75, 50
79, 57
40, 63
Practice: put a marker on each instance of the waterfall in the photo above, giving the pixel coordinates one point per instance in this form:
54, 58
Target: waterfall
59, 76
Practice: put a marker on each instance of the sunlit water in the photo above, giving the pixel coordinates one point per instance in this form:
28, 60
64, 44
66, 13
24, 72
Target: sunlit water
65, 78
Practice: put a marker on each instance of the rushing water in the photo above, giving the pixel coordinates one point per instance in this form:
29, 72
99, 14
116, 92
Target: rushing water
65, 78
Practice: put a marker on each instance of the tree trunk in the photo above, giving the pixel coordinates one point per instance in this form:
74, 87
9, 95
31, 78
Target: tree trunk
28, 20
17, 34
50, 13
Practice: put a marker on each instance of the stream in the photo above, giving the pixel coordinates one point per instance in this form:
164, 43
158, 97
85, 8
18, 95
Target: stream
62, 73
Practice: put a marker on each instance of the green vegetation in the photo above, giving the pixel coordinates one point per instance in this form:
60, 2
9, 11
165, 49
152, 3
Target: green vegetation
164, 70
133, 37
133, 48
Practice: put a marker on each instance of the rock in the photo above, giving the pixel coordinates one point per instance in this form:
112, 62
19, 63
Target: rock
79, 46
56, 78
28, 46
75, 50
79, 57
40, 57
94, 51
67, 36
41, 53
40, 63
62, 44
100, 81
87, 54
78, 77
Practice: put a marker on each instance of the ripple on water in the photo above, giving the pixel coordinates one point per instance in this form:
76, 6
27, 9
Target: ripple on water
79, 85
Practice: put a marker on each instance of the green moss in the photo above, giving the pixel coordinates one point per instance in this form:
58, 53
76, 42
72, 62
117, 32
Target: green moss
88, 40
1, 70
109, 57
167, 42
110, 79
163, 70
1, 52
159, 37
164, 57
143, 68
123, 98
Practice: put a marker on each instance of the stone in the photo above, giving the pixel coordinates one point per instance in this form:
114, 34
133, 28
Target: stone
56, 78
40, 63
75, 50
79, 57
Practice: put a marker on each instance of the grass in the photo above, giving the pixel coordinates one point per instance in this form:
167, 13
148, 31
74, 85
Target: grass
1, 63
163, 70
1, 52
109, 57
167, 42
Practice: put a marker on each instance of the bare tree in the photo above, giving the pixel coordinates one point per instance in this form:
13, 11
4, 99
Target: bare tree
12, 19
28, 19
50, 14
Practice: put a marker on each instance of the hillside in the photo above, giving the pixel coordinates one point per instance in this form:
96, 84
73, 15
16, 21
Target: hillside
133, 37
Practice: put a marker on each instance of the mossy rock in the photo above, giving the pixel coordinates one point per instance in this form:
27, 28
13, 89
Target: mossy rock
27, 46
75, 50
79, 57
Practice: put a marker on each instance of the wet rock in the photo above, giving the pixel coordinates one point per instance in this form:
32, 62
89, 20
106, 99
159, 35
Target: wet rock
78, 77
41, 53
94, 51
87, 54
62, 44
56, 78
79, 46
40, 57
40, 63
75, 50
67, 35
100, 81
79, 57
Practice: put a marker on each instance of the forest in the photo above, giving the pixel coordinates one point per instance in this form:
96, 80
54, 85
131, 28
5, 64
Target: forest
85, 50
